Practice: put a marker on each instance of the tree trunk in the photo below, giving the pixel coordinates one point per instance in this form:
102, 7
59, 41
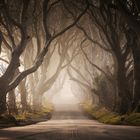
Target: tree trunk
123, 101
134, 43
136, 91
12, 102
23, 96
3, 106
37, 102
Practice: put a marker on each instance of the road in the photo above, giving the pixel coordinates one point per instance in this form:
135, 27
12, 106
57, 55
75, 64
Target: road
70, 124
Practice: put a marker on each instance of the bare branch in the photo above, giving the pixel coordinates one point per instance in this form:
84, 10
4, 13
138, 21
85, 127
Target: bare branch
94, 65
40, 58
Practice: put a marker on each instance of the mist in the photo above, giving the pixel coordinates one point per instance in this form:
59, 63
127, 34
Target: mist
70, 60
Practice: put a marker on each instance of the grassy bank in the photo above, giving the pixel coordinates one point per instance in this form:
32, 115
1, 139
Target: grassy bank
105, 116
26, 117
44, 113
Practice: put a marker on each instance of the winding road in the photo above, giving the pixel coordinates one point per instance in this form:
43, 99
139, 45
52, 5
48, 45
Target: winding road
69, 123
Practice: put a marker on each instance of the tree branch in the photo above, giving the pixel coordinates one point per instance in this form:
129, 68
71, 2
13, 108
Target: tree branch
40, 58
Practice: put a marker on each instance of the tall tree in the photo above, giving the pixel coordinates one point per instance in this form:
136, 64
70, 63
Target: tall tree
12, 23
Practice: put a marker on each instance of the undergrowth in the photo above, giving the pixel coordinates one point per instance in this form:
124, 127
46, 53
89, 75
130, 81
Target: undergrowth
26, 117
105, 116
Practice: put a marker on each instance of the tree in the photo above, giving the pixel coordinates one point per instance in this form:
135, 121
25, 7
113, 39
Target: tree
130, 11
20, 23
109, 22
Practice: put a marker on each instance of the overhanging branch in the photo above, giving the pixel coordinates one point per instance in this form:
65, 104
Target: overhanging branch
40, 58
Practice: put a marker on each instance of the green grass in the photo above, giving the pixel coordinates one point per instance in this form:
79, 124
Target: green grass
26, 116
105, 116
45, 111
133, 119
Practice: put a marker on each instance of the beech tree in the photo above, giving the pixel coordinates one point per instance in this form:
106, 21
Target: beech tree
77, 35
20, 22
130, 11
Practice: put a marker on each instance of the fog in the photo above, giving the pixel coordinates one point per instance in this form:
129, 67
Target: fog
65, 97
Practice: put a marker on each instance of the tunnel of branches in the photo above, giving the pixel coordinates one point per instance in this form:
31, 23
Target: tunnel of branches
91, 47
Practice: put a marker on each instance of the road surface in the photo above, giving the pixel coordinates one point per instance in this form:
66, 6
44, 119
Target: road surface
70, 124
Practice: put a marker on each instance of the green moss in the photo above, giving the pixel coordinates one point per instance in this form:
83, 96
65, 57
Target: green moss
133, 118
26, 117
105, 116
45, 111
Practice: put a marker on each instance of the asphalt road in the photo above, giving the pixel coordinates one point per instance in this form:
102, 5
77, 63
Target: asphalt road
70, 124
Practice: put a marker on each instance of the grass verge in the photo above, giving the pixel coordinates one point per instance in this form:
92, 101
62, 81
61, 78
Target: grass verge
26, 117
105, 116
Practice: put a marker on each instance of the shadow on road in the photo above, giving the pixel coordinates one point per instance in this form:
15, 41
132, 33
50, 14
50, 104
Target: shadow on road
70, 123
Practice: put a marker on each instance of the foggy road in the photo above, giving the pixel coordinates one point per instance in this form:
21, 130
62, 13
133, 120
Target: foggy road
70, 124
